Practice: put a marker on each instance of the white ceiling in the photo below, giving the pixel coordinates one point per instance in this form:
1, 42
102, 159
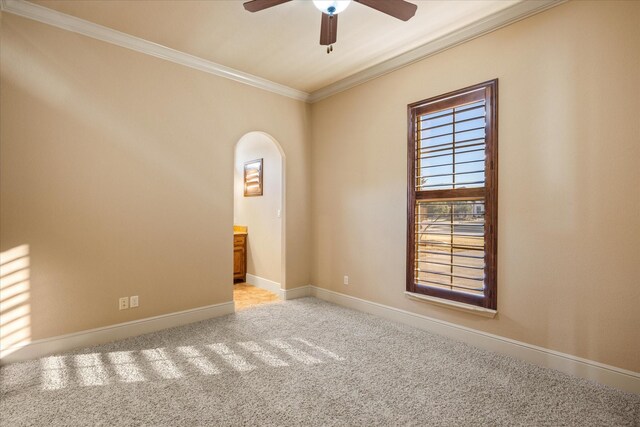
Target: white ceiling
281, 44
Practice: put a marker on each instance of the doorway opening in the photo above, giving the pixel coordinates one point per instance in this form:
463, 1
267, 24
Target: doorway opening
259, 221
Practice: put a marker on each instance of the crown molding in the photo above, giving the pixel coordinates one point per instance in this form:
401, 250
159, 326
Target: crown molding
486, 25
491, 23
98, 32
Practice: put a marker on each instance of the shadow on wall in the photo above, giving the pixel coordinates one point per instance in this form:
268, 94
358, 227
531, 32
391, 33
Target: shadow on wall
15, 309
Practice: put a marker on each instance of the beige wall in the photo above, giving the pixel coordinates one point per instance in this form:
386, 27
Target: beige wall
117, 172
260, 213
569, 204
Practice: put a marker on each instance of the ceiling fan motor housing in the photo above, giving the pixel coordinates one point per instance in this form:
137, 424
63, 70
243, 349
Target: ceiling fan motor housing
331, 7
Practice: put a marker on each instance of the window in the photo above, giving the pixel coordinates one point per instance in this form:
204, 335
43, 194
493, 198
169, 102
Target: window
452, 196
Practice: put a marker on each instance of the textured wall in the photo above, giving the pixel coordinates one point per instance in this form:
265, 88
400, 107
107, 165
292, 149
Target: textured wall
569, 204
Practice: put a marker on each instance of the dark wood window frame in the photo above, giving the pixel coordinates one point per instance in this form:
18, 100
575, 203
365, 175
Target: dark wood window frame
489, 193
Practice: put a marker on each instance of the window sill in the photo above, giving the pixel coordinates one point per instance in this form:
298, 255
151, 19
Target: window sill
468, 308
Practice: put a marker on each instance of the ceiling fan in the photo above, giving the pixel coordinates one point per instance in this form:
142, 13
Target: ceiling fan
331, 8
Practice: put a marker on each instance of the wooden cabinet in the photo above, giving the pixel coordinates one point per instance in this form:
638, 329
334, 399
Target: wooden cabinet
240, 257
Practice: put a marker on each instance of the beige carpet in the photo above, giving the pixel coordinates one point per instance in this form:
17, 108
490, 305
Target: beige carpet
303, 362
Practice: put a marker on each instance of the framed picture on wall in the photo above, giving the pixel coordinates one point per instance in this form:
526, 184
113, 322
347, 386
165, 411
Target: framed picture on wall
253, 178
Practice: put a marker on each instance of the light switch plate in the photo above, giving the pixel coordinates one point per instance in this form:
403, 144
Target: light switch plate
133, 301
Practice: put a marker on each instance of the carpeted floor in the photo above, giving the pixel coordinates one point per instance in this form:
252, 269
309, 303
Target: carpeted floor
299, 363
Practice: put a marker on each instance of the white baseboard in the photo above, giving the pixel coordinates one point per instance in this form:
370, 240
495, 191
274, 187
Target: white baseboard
300, 292
283, 294
262, 283
106, 334
584, 368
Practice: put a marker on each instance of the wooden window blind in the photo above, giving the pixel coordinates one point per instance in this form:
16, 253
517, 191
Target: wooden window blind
452, 196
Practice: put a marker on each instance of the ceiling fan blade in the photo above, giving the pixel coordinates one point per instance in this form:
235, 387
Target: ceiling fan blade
258, 5
397, 8
328, 29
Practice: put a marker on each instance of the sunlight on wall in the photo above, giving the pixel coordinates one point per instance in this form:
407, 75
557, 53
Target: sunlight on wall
136, 366
15, 310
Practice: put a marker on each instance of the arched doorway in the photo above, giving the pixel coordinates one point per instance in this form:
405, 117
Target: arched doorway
263, 214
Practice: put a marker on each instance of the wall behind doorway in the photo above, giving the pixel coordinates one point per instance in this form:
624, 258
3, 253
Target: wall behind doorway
260, 213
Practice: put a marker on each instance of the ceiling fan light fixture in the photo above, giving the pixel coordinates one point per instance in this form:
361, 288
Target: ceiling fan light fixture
331, 7
400, 9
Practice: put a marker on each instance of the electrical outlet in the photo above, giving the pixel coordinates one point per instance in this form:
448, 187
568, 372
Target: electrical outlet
133, 301
123, 303
346, 280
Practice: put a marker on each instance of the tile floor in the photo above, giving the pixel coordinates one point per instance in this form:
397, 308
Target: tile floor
246, 296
